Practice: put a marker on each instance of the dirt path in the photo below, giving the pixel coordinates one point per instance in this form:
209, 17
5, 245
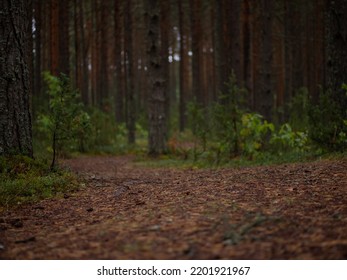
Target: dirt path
294, 211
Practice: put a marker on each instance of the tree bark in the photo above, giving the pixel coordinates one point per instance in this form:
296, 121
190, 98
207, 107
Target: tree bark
54, 39
220, 49
119, 97
37, 45
64, 37
130, 89
264, 95
164, 42
157, 133
247, 46
196, 37
184, 64
336, 45
15, 88
236, 42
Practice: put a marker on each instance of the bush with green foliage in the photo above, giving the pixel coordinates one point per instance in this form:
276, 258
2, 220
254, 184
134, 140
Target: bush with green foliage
254, 134
327, 123
103, 131
298, 110
286, 139
200, 128
228, 130
66, 123
227, 119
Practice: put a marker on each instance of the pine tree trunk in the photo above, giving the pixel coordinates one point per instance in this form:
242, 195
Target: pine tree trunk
184, 64
130, 92
196, 37
264, 96
336, 40
103, 55
37, 45
248, 50
164, 36
64, 37
15, 88
54, 37
157, 133
236, 43
119, 99
220, 60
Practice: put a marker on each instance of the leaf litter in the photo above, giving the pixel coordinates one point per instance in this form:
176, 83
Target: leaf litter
125, 211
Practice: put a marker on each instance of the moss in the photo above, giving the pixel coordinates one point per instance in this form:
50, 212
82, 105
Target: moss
24, 180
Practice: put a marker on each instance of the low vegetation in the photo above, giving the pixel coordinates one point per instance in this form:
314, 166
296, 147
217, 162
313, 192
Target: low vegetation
26, 180
225, 133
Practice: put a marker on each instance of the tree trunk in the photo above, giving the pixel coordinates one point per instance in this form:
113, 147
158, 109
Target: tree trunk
236, 43
15, 88
184, 64
119, 97
164, 39
220, 61
64, 37
336, 45
264, 96
130, 92
37, 45
54, 33
196, 33
248, 50
288, 55
103, 87
157, 133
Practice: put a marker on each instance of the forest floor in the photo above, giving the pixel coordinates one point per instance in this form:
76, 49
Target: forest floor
129, 211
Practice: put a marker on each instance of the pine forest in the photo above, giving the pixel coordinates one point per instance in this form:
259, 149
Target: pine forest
184, 129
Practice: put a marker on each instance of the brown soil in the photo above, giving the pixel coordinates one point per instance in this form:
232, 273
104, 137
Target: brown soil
293, 211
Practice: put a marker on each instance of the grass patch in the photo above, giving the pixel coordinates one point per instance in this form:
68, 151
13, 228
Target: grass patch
209, 161
24, 180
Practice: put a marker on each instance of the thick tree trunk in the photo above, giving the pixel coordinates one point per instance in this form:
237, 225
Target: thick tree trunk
157, 133
15, 88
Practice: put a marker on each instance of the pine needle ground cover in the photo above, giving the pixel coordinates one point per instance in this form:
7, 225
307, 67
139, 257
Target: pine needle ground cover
129, 211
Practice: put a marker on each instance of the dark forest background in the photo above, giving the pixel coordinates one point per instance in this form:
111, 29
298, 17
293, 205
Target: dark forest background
237, 77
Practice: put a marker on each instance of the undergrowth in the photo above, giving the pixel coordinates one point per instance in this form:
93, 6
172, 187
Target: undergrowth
224, 133
25, 180
177, 161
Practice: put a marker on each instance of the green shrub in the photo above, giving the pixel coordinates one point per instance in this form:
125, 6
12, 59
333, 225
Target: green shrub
299, 108
102, 133
200, 127
66, 124
327, 126
286, 139
253, 133
227, 119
